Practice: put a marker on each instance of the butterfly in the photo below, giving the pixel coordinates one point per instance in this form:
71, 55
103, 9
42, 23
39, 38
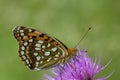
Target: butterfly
39, 51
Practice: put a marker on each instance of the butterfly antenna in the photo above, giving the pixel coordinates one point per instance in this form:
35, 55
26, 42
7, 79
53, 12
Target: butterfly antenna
83, 36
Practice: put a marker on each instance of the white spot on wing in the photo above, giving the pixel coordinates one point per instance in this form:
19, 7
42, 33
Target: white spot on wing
27, 61
43, 50
38, 58
48, 45
25, 43
24, 57
49, 59
31, 40
30, 30
63, 52
55, 58
23, 48
37, 69
47, 53
37, 45
56, 55
21, 31
37, 48
35, 54
37, 64
43, 46
40, 41
29, 65
41, 62
42, 57
54, 49
18, 28
22, 52
22, 34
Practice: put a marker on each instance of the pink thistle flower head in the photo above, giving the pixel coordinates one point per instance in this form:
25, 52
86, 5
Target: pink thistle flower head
81, 67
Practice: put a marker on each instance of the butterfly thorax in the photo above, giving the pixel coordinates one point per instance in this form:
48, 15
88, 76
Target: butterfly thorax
71, 53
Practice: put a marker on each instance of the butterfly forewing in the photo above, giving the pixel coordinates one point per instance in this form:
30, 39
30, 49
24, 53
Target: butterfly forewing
38, 50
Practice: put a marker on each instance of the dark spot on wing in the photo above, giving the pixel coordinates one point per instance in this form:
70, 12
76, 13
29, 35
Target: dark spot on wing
47, 39
52, 40
42, 35
33, 36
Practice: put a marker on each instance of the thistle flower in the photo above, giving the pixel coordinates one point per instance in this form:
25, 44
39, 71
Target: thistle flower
81, 67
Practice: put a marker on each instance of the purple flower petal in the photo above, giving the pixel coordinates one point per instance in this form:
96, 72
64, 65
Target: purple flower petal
81, 67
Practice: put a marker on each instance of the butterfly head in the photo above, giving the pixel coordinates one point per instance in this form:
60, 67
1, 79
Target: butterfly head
72, 52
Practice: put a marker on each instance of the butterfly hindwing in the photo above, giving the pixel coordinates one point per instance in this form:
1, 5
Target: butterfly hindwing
38, 50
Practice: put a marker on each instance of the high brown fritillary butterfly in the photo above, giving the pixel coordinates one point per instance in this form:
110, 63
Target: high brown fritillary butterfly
39, 50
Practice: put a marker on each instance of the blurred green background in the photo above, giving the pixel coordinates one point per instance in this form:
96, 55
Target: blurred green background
67, 20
